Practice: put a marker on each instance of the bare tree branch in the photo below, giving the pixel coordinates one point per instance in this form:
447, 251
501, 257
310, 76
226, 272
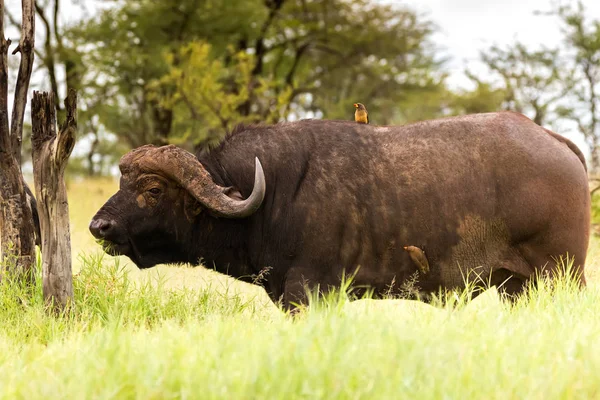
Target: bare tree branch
5, 144
57, 34
16, 221
298, 56
48, 59
587, 69
25, 67
274, 6
13, 21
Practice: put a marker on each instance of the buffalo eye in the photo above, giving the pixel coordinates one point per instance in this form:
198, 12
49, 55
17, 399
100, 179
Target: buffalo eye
154, 191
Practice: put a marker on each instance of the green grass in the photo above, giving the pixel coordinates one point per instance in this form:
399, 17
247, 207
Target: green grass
176, 332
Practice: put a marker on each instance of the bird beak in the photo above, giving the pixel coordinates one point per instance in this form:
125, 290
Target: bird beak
355, 105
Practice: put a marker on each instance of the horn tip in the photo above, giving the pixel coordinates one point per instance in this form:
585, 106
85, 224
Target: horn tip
259, 174
258, 164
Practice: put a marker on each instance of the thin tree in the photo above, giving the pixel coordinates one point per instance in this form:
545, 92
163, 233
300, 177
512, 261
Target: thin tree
16, 221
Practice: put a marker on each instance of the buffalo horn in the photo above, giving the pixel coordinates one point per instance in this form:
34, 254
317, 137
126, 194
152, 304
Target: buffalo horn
185, 169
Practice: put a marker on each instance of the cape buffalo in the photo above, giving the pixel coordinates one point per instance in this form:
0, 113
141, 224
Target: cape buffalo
488, 195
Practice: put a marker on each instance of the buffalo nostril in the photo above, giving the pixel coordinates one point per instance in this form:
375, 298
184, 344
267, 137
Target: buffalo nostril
100, 227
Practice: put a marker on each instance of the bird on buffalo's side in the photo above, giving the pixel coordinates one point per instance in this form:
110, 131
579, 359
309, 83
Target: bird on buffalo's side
418, 257
361, 115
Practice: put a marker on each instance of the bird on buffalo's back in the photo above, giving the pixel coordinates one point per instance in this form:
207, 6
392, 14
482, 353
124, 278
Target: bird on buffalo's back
361, 115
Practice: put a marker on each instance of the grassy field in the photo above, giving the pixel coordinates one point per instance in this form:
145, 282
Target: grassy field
173, 332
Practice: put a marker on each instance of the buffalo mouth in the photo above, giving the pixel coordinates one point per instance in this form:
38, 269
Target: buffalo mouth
114, 248
126, 249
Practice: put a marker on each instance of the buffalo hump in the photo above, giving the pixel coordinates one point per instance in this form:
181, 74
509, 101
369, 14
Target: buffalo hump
489, 197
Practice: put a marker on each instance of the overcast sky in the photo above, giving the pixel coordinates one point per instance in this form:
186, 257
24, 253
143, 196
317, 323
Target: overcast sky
468, 26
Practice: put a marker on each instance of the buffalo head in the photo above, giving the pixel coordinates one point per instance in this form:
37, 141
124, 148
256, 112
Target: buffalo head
155, 214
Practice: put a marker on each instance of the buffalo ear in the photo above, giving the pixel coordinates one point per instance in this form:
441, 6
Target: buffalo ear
191, 206
232, 192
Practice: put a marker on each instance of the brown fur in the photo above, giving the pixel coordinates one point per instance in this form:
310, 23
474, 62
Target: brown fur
490, 196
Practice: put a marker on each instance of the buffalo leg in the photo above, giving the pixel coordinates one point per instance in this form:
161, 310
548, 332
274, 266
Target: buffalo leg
507, 283
541, 252
298, 284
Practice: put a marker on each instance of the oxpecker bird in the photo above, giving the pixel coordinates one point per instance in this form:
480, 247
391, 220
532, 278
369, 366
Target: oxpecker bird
361, 115
418, 257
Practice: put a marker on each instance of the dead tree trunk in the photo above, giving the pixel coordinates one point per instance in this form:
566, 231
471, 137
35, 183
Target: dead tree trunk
50, 155
16, 221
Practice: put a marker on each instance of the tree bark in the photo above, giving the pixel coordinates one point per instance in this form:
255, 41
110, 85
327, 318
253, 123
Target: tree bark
25, 47
16, 221
50, 155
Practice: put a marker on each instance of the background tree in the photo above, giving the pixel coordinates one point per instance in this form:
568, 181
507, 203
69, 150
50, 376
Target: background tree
127, 47
60, 61
209, 99
256, 60
532, 82
486, 97
16, 220
582, 38
185, 72
548, 85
